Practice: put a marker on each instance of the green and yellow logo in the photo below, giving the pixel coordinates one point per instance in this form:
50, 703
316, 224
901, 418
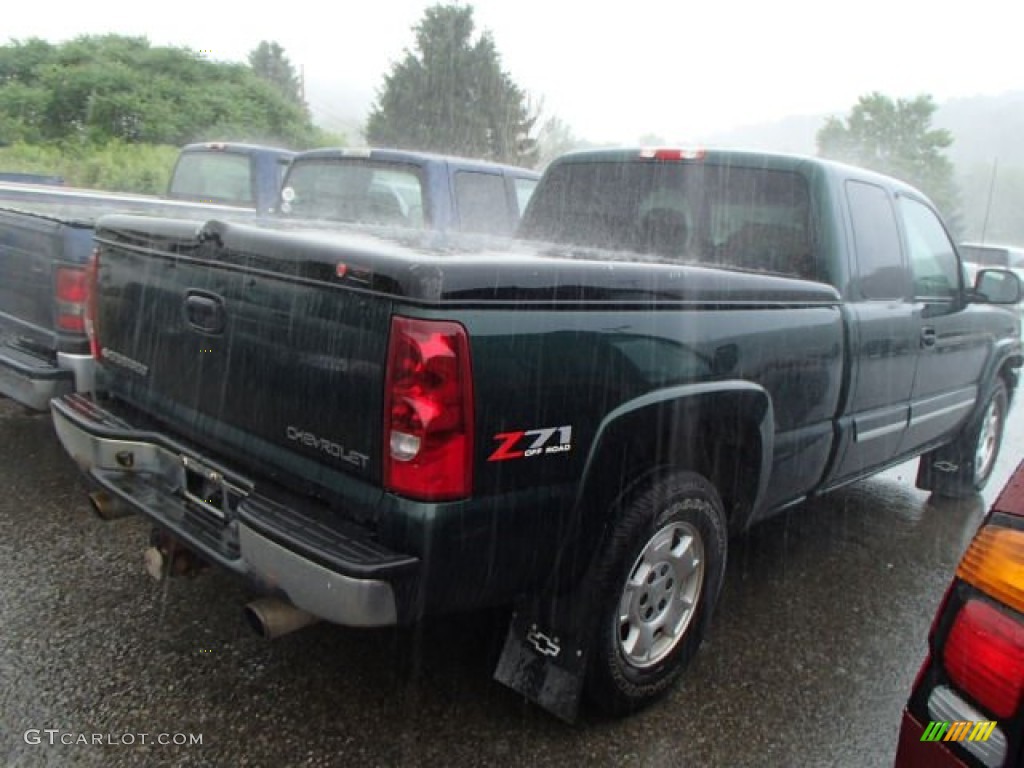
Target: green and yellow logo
958, 731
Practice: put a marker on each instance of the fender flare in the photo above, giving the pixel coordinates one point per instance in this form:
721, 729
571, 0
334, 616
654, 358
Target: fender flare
1006, 353
749, 404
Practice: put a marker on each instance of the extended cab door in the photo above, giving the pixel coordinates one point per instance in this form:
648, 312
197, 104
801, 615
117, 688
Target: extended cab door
953, 343
884, 334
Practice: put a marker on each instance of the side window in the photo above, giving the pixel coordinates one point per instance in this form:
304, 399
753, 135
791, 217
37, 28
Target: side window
482, 203
880, 270
214, 177
933, 260
524, 191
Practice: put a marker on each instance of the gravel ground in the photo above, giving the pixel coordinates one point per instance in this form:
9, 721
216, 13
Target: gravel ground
818, 635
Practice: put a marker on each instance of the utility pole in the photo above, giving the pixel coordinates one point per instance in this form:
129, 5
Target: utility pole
988, 205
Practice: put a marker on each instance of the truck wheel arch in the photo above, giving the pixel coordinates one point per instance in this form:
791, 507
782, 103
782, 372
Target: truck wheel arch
722, 430
1004, 362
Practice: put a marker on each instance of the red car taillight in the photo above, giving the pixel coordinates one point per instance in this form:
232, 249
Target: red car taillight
975, 670
428, 411
984, 652
91, 302
71, 294
984, 656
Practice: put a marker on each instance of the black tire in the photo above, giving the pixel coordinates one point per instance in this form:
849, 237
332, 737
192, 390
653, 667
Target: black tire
636, 658
962, 468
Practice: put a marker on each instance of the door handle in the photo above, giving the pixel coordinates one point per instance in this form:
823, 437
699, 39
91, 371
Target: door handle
205, 312
928, 336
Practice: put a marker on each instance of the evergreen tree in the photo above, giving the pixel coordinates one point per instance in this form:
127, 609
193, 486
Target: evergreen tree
269, 62
451, 95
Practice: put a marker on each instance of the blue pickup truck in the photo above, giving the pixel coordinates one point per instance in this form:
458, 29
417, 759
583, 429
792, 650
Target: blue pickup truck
419, 190
46, 238
228, 173
46, 234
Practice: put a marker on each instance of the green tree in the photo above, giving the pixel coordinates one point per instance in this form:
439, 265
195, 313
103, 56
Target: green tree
269, 62
96, 89
451, 95
895, 138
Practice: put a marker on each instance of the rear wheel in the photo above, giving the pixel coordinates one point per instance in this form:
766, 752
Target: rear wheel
659, 578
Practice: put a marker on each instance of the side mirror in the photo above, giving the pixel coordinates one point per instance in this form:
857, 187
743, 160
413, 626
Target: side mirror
997, 286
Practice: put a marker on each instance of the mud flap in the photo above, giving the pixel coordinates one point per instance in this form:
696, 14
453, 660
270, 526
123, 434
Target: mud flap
545, 655
943, 470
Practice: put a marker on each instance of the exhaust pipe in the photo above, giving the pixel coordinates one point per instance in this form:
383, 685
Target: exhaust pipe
273, 617
107, 507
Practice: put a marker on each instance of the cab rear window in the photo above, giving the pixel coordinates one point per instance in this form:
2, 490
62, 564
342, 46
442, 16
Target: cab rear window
214, 176
747, 218
360, 191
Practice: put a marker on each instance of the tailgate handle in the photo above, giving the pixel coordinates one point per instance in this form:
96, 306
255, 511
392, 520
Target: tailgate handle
205, 312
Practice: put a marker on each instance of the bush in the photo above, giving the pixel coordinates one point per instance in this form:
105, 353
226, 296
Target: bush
116, 165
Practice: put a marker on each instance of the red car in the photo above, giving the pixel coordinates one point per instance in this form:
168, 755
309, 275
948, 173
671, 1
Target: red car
965, 706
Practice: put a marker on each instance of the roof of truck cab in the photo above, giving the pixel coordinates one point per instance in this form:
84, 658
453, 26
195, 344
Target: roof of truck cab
412, 156
237, 146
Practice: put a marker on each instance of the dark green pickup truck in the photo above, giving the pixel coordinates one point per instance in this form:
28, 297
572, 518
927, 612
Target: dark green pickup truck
680, 343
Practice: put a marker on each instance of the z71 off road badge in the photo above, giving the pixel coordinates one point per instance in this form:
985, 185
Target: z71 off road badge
532, 442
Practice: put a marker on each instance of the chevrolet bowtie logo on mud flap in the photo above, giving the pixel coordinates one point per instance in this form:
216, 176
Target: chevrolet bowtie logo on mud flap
543, 644
946, 466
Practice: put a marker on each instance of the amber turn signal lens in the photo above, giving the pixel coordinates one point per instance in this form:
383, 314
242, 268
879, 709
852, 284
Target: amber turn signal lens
994, 563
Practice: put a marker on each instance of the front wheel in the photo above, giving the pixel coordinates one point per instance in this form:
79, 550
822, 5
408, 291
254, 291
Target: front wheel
990, 436
658, 580
964, 467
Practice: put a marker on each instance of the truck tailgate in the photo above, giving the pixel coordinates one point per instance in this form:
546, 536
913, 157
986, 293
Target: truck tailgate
245, 343
31, 246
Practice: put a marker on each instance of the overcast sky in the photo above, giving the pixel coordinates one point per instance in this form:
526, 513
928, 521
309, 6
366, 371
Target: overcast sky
681, 70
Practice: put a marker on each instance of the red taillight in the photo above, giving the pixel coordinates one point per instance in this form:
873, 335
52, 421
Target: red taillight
984, 656
72, 292
428, 411
91, 300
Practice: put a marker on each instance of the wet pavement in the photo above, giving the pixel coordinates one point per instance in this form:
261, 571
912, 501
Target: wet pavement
819, 632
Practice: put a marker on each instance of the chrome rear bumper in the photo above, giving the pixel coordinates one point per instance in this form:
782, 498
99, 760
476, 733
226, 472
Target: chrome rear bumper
216, 512
34, 381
